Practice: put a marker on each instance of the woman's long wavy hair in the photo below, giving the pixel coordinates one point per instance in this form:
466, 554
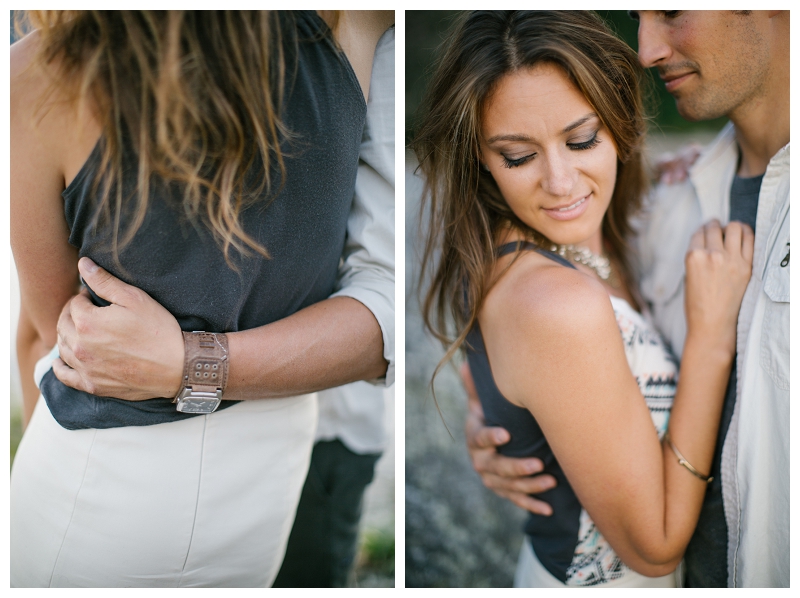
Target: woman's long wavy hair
197, 93
463, 205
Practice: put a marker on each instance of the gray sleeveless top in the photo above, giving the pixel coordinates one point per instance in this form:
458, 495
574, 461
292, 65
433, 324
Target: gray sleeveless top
180, 264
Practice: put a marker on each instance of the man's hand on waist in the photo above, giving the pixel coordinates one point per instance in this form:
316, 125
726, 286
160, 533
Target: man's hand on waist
508, 477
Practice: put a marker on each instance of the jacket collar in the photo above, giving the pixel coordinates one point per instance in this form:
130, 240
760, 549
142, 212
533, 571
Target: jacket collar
712, 175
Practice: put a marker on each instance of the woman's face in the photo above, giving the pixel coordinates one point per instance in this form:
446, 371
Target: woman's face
553, 160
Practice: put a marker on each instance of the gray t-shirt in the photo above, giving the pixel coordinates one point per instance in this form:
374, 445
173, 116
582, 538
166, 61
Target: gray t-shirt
706, 557
744, 199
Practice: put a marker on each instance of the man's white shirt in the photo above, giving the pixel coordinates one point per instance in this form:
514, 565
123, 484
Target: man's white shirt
354, 413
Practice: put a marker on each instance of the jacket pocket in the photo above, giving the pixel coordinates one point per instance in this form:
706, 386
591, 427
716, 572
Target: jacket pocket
775, 332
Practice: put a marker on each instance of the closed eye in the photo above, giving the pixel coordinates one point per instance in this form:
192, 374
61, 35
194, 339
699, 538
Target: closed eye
514, 162
584, 145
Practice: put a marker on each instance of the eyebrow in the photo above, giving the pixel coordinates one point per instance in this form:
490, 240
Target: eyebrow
518, 137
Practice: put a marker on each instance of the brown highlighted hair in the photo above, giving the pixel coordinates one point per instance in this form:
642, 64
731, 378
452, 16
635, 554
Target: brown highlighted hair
463, 206
198, 95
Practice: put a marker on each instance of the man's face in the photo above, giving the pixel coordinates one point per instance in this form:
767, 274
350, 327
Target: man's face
711, 61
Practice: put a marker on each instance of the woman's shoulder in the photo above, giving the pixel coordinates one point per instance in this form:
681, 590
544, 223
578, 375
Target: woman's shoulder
33, 90
37, 112
537, 292
48, 124
543, 313
28, 78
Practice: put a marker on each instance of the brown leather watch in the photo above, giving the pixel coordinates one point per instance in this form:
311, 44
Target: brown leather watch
205, 372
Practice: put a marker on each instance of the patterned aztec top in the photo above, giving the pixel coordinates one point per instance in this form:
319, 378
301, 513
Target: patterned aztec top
567, 543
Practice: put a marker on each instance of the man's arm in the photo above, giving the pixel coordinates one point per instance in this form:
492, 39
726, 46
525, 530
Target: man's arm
133, 349
507, 477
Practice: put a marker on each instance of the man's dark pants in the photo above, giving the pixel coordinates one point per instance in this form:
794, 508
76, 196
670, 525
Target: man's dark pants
322, 544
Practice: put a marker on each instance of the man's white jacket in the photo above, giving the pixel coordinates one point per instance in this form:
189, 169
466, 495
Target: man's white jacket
755, 458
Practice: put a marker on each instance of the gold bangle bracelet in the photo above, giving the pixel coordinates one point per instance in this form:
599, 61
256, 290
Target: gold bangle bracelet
682, 460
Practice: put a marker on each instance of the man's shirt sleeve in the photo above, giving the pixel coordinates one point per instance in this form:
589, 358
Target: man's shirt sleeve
366, 272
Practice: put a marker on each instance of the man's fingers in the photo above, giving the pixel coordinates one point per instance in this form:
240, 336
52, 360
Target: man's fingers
484, 438
67, 375
489, 462
529, 503
80, 307
65, 328
526, 485
105, 285
65, 351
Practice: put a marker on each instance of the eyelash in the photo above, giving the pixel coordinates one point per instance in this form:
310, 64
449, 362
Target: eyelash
584, 145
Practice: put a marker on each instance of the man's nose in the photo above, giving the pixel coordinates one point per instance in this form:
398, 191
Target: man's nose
653, 47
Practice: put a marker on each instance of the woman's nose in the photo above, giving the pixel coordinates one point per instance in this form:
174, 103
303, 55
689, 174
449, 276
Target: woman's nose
559, 176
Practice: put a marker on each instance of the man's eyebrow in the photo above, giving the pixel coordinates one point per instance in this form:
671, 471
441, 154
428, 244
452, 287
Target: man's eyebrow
579, 122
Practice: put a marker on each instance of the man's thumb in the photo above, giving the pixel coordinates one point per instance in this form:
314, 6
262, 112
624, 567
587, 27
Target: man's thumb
101, 284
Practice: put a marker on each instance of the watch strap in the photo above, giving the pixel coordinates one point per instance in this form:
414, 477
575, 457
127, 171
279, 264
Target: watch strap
205, 364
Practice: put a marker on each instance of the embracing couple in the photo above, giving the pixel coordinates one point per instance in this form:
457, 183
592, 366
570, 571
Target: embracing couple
223, 182
628, 346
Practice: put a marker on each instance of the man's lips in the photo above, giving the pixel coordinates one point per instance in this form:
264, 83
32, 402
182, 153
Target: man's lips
672, 82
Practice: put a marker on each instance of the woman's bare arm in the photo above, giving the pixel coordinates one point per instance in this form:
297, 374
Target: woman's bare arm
576, 381
45, 261
30, 349
51, 138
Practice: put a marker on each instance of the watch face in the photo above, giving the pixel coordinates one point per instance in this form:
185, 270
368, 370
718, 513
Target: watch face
197, 405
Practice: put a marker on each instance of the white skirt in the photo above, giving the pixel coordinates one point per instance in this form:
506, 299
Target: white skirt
207, 501
532, 574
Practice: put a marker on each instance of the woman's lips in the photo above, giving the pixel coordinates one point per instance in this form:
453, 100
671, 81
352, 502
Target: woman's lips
569, 212
673, 84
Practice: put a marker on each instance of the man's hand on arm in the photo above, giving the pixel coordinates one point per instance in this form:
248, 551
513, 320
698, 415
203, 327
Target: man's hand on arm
133, 348
508, 477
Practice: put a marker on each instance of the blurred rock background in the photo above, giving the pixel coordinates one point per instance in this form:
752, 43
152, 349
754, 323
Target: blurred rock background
458, 533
